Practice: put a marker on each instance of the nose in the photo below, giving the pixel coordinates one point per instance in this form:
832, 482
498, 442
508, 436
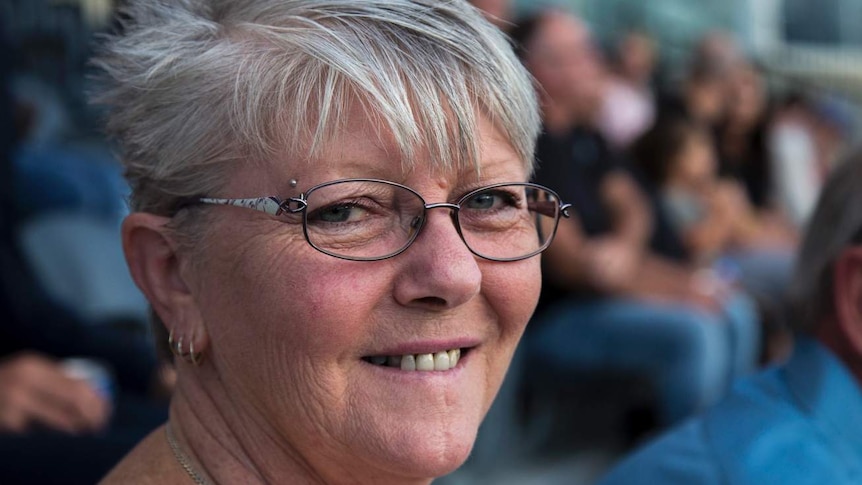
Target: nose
440, 272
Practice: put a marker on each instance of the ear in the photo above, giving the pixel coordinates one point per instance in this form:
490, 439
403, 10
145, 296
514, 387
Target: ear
847, 283
156, 268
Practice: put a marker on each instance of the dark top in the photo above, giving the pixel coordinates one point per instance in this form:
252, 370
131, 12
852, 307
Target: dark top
750, 168
575, 165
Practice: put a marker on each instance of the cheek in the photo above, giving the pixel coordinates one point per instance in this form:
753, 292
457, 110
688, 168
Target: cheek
512, 290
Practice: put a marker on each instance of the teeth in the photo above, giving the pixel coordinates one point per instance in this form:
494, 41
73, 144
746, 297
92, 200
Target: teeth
454, 357
408, 362
439, 361
424, 362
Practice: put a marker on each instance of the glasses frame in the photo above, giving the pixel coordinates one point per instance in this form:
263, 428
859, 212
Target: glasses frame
276, 206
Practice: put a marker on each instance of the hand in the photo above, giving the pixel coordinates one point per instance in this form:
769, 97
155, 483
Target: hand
708, 290
610, 263
36, 391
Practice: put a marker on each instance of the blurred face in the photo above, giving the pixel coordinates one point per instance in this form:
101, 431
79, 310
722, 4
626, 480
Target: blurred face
747, 97
637, 57
563, 60
298, 337
705, 100
497, 12
695, 166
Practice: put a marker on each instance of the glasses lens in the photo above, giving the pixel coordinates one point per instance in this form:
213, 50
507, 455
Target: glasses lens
509, 222
362, 219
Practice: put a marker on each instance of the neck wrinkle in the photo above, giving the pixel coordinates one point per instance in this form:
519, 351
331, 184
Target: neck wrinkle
227, 446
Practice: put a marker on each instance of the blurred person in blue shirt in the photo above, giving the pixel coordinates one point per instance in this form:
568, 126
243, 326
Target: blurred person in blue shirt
800, 423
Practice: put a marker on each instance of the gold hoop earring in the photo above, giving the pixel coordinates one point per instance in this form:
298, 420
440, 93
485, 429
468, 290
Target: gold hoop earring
171, 344
194, 357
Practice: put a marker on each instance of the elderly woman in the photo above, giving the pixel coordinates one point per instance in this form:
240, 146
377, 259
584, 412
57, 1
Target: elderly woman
333, 225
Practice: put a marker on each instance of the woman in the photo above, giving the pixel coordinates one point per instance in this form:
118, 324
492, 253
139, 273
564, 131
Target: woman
345, 330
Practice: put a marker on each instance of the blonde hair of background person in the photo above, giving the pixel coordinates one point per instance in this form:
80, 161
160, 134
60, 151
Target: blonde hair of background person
296, 365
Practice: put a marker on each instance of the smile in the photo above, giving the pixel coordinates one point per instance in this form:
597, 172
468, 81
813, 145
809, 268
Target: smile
438, 361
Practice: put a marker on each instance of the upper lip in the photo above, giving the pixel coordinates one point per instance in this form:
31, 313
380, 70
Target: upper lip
426, 347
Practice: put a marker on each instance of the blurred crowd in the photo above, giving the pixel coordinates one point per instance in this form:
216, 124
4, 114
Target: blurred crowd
689, 196
690, 192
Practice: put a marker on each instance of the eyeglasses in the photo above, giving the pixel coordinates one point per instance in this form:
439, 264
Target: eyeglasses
370, 220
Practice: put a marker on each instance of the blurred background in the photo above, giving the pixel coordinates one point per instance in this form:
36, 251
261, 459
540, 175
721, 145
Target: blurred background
67, 293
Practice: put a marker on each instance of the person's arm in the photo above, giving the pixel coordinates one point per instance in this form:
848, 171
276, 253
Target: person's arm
629, 209
575, 261
666, 281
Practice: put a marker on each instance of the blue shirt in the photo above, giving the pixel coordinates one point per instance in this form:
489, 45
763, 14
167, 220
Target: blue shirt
796, 424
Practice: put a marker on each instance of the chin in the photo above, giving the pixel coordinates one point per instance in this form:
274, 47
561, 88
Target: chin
432, 460
421, 453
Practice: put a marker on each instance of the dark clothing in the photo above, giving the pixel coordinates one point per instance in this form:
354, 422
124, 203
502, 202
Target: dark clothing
664, 240
750, 167
575, 165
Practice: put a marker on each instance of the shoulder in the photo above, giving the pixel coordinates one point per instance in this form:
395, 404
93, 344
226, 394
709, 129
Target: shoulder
681, 456
148, 463
757, 435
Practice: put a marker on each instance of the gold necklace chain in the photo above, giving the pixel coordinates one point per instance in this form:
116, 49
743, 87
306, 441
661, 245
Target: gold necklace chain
181, 457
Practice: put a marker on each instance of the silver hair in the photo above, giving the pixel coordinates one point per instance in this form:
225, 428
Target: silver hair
195, 87
836, 224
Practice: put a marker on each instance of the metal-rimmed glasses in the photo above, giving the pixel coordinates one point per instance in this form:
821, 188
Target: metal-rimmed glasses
371, 220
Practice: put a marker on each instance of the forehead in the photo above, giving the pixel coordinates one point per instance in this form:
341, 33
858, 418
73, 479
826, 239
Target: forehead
366, 149
558, 31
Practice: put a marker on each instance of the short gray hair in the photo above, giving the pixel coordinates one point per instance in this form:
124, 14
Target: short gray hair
835, 225
194, 87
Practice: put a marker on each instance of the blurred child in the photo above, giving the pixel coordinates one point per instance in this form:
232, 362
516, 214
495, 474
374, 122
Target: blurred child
715, 221
712, 216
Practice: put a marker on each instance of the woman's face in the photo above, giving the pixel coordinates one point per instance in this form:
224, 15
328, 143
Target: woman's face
292, 330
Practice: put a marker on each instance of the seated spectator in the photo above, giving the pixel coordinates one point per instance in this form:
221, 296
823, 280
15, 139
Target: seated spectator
609, 303
742, 146
713, 218
806, 136
800, 422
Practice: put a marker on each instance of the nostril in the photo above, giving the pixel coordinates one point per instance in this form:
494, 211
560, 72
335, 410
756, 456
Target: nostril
432, 301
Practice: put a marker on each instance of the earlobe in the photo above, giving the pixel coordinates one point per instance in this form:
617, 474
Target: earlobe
155, 267
847, 281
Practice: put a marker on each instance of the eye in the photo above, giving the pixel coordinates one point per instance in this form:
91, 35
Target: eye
489, 200
338, 213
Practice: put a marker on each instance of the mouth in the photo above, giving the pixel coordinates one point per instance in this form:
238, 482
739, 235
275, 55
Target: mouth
439, 361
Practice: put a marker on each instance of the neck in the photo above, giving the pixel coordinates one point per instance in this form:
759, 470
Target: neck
556, 120
227, 443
